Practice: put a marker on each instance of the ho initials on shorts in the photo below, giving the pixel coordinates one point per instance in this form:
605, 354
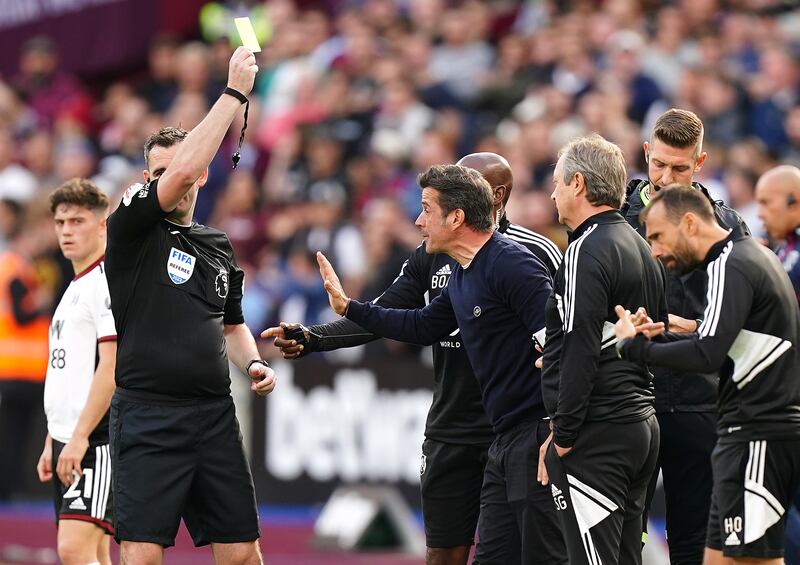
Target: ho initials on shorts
754, 483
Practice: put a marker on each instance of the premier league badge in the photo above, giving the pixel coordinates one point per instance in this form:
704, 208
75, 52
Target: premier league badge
221, 284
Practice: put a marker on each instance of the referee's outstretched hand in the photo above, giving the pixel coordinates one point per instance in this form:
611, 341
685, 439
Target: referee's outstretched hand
263, 379
336, 296
242, 70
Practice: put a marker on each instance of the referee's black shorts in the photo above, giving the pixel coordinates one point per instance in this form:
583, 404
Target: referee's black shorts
451, 476
180, 460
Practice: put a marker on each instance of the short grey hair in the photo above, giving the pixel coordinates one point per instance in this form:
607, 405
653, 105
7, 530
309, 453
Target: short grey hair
603, 168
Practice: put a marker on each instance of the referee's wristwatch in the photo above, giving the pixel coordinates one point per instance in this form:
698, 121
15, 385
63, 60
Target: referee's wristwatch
253, 362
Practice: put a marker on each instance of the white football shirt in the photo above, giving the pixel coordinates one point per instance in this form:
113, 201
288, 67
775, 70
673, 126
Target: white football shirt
82, 320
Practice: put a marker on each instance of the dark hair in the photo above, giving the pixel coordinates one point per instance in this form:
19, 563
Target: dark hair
680, 128
79, 192
165, 137
17, 211
39, 44
679, 200
461, 188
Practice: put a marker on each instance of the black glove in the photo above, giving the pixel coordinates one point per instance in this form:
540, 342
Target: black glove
303, 336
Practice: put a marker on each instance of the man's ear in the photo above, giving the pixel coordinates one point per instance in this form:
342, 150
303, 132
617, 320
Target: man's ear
700, 160
580, 184
146, 175
646, 148
456, 218
203, 178
689, 221
500, 194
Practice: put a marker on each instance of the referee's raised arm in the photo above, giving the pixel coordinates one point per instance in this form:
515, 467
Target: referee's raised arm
198, 149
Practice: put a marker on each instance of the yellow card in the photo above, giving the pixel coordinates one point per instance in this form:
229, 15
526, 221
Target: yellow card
248, 35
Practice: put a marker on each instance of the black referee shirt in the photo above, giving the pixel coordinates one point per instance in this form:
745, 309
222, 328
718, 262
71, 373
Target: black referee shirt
172, 290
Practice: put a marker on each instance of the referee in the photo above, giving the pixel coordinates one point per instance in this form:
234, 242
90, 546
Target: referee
176, 296
685, 401
457, 430
605, 433
749, 335
495, 299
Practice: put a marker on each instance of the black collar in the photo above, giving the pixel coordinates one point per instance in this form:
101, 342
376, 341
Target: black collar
607, 217
717, 249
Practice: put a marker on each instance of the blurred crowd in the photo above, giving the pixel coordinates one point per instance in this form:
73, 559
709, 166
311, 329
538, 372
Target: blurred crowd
355, 97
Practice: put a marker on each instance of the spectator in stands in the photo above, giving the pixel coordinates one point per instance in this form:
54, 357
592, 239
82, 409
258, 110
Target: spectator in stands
16, 182
461, 61
24, 321
52, 94
160, 88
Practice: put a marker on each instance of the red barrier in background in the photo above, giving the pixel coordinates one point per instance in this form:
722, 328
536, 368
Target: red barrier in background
92, 36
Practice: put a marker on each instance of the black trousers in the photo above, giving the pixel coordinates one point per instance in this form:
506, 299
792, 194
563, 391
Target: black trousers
687, 440
451, 476
599, 490
517, 522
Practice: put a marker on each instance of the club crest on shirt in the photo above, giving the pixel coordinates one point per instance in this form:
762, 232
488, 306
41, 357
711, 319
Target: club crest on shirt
180, 266
221, 284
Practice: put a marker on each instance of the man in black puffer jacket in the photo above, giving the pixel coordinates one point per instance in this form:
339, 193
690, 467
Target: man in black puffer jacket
685, 402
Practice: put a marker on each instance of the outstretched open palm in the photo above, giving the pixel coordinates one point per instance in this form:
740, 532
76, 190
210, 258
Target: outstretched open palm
336, 296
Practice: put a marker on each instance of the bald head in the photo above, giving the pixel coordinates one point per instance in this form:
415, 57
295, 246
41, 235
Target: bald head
778, 197
495, 169
785, 178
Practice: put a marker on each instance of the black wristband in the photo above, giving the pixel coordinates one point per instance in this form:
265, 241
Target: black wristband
253, 362
243, 99
236, 94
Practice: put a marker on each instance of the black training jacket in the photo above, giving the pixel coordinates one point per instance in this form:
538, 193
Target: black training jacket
679, 391
583, 379
749, 335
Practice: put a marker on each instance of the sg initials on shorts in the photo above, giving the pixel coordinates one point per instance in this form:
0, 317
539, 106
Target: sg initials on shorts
558, 497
